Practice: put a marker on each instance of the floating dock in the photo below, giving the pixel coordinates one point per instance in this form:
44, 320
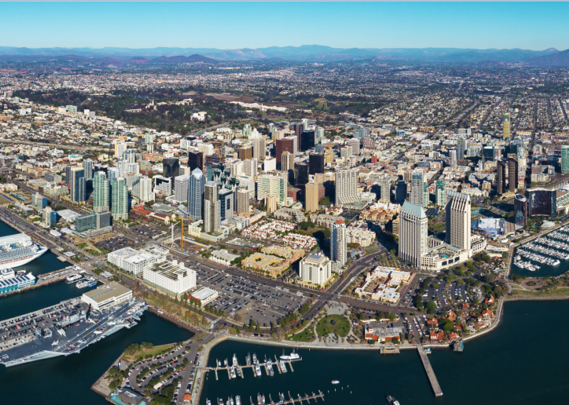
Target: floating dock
430, 373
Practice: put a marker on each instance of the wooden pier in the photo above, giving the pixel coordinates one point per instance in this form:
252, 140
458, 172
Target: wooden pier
430, 373
299, 400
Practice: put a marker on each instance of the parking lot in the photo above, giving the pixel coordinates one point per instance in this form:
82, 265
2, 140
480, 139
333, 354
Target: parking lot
146, 230
248, 299
115, 243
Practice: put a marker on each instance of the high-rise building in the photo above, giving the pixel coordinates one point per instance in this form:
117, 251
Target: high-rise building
271, 184
400, 192
298, 129
287, 161
542, 201
501, 177
181, 185
195, 194
520, 210
319, 135
195, 160
148, 139
385, 190
142, 189
506, 124
339, 243
458, 220
259, 148
441, 193
355, 144
120, 148
413, 233
565, 159
251, 167
242, 205
452, 158
347, 187
39, 202
311, 197
419, 189
119, 206
287, 144
227, 205
316, 269
245, 152
171, 168
512, 174
461, 147
307, 139
361, 132
114, 172
212, 209
100, 192
88, 167
302, 174
316, 163
247, 130
77, 186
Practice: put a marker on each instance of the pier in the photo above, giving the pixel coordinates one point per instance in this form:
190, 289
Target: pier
430, 373
239, 369
299, 400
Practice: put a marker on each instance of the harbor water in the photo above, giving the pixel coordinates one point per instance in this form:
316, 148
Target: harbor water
515, 364
67, 380
520, 363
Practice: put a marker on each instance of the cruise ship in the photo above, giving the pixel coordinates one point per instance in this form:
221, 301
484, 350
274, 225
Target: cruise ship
11, 281
18, 250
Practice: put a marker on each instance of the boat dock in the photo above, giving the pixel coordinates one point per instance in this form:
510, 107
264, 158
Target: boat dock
239, 369
430, 373
299, 399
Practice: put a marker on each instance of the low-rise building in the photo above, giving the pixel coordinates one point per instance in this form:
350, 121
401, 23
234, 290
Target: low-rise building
204, 295
107, 296
222, 256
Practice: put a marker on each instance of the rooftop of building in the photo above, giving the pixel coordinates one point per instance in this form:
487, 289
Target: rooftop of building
107, 291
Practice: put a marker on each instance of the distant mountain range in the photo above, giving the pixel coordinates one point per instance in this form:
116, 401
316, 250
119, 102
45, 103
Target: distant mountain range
308, 53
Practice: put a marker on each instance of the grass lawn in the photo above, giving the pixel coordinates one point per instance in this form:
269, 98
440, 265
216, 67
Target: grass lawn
306, 335
81, 245
337, 324
145, 352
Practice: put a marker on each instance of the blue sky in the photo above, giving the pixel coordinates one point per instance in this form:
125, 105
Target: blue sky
233, 25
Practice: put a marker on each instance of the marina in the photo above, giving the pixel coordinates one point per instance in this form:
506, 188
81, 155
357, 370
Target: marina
282, 399
12, 282
236, 370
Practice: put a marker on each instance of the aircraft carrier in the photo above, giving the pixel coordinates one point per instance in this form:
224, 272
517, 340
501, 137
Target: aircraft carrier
62, 329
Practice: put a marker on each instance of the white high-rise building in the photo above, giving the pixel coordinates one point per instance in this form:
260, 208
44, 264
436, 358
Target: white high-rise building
270, 165
181, 184
419, 189
413, 233
339, 243
259, 148
316, 269
142, 189
272, 184
347, 186
452, 158
458, 220
251, 167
